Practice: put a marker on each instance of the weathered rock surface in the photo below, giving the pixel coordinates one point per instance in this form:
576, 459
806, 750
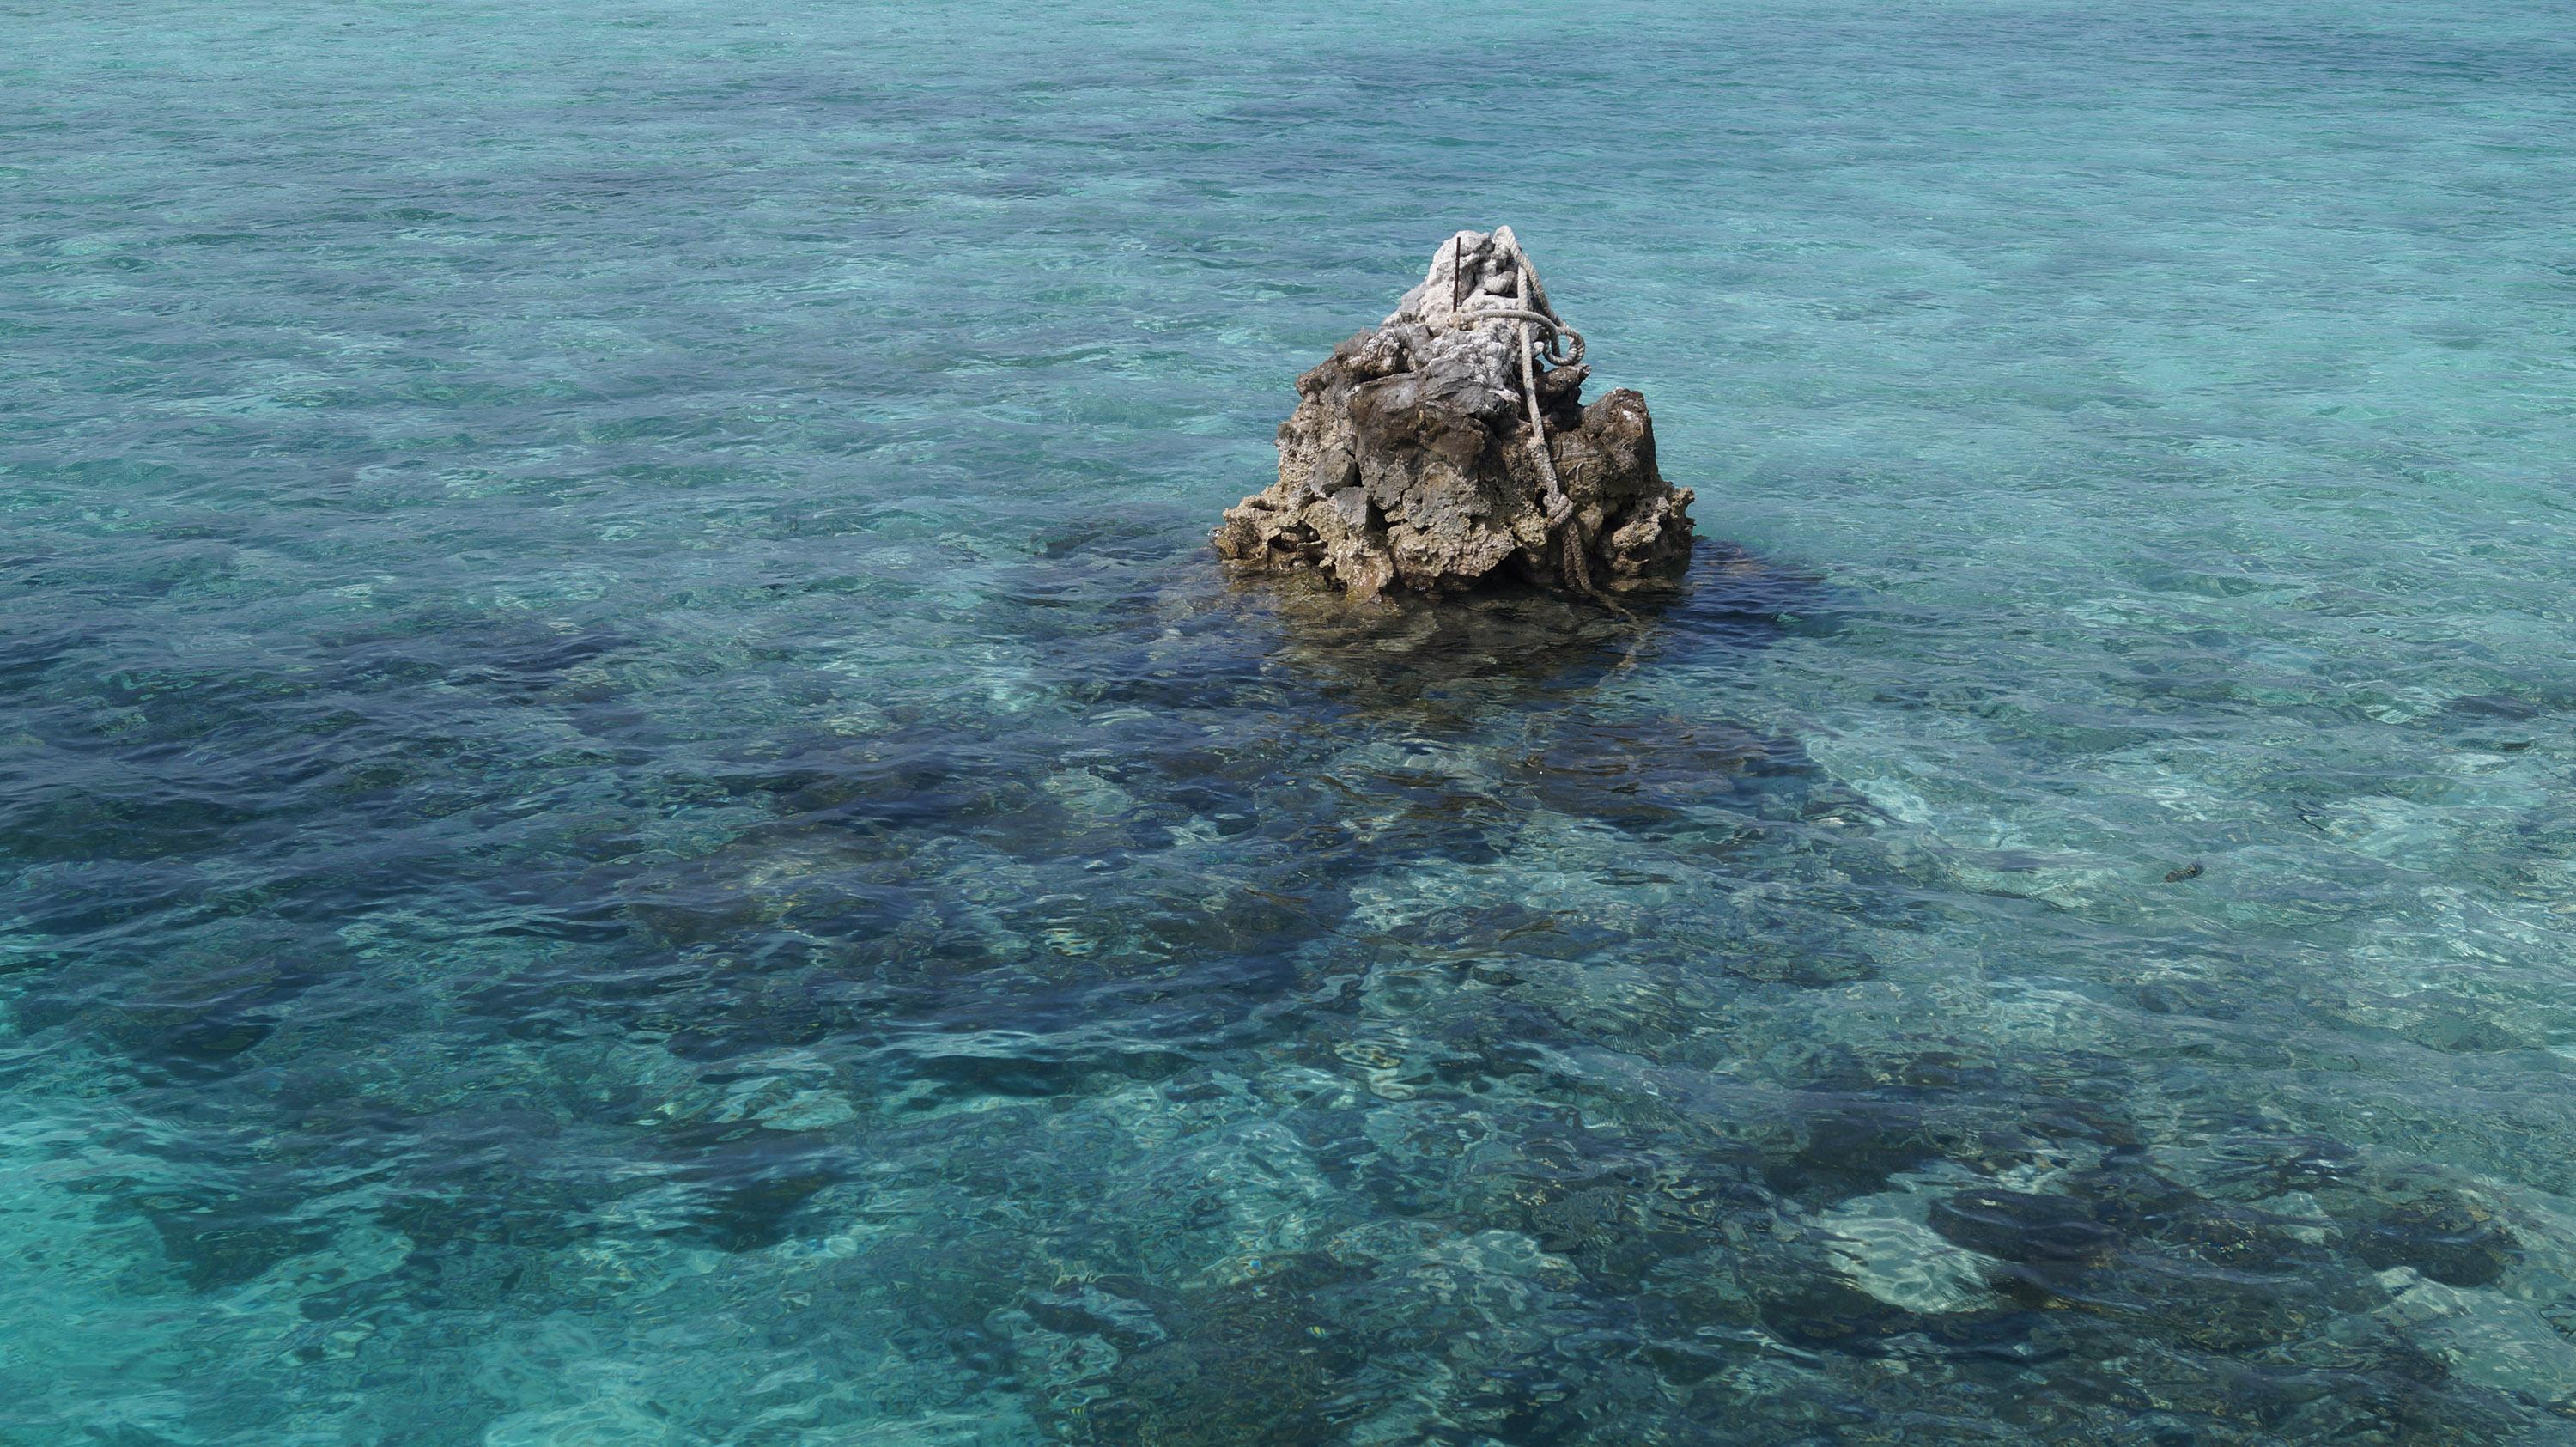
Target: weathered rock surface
1408, 462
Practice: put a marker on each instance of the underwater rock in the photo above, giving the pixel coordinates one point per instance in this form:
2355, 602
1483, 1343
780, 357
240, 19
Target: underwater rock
1409, 462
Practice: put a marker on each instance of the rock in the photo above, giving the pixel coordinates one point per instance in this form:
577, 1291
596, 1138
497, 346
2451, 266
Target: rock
1408, 462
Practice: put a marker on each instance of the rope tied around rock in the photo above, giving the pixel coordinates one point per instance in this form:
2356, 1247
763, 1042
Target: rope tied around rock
1559, 346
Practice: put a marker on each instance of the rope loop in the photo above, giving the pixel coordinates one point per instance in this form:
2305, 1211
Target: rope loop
1572, 545
1558, 344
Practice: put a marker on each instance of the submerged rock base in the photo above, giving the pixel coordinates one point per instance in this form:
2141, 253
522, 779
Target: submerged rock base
1410, 460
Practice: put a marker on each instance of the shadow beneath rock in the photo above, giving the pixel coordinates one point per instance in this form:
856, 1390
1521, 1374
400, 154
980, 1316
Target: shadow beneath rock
1509, 642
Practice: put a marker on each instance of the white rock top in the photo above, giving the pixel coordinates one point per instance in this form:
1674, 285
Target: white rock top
1474, 365
1473, 271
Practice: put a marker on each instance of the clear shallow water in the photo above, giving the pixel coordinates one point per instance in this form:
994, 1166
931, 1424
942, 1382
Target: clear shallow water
631, 812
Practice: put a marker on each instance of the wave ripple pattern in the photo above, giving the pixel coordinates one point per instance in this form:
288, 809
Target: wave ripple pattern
631, 811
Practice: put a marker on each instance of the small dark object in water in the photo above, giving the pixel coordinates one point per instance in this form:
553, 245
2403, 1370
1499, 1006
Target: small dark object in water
2054, 1232
2188, 871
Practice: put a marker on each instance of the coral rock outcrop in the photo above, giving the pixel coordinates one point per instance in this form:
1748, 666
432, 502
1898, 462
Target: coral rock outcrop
1450, 444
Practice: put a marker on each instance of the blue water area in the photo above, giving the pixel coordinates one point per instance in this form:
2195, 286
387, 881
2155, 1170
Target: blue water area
632, 811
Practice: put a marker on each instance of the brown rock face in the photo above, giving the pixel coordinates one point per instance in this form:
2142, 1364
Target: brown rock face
1408, 462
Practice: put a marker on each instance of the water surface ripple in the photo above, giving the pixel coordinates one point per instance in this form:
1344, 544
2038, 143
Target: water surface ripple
631, 812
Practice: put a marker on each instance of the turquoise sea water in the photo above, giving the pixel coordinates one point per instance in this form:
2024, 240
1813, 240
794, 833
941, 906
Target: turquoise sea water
632, 812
